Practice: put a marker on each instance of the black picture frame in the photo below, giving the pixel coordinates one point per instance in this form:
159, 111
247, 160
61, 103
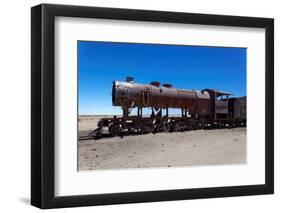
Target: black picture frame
43, 117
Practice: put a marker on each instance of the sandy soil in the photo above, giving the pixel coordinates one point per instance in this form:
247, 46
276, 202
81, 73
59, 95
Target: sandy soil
191, 148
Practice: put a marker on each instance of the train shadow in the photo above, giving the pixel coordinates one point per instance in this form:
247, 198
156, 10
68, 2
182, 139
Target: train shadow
131, 133
107, 135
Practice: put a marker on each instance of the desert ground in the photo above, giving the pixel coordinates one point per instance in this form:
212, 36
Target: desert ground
190, 148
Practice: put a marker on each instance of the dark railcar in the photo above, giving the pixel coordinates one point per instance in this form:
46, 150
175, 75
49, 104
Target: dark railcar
238, 109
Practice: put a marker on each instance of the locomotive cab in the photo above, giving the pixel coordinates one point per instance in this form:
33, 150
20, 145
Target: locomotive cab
219, 104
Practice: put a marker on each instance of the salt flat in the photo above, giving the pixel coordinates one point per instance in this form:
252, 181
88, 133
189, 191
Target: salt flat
190, 148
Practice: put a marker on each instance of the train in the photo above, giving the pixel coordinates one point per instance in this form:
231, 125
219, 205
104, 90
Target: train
200, 109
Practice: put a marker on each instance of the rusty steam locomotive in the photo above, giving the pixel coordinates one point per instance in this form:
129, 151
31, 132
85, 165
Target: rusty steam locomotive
200, 109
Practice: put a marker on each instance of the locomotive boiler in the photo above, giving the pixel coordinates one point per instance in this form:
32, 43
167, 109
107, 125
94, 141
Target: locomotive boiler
200, 109
129, 95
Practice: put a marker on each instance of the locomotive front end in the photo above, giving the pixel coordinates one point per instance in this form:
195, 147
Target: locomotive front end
122, 93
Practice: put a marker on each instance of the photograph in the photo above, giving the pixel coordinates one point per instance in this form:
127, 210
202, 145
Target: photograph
148, 105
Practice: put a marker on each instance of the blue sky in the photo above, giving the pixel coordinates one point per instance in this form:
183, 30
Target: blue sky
187, 67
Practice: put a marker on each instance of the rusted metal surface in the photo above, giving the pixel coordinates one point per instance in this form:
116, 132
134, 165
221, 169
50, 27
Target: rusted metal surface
222, 106
130, 95
240, 108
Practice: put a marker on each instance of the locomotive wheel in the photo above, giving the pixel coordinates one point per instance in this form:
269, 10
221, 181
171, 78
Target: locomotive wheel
230, 125
202, 124
177, 127
165, 127
238, 124
191, 125
146, 129
149, 129
195, 126
114, 129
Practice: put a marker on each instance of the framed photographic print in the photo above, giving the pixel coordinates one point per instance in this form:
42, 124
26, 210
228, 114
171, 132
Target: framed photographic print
139, 106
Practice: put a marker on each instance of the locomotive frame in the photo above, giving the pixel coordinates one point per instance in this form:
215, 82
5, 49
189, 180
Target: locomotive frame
43, 106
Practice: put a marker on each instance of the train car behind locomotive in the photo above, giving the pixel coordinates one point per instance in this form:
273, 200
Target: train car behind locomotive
200, 109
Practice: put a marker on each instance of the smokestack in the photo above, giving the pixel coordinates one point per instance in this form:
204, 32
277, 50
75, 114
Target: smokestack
129, 79
155, 83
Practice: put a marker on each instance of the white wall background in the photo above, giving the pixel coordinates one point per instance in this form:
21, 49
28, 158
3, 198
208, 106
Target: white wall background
15, 105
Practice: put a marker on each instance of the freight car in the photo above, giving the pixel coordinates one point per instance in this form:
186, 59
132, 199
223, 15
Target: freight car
200, 109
